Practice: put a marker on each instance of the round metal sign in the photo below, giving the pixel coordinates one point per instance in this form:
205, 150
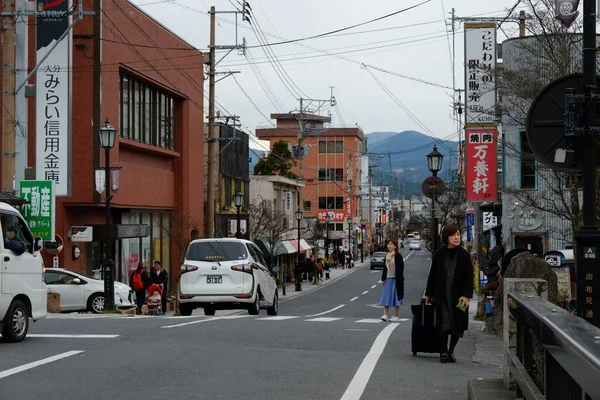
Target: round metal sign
546, 126
433, 186
276, 268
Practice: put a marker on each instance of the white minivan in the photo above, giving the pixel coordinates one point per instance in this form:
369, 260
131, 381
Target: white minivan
23, 293
226, 274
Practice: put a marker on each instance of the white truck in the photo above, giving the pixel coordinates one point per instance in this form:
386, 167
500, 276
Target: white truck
23, 293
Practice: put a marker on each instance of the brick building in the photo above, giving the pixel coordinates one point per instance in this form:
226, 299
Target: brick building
331, 169
151, 91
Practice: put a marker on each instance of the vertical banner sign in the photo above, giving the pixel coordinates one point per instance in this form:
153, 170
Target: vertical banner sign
480, 73
470, 225
40, 212
53, 97
481, 169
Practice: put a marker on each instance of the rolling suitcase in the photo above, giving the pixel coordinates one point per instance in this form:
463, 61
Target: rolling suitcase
424, 335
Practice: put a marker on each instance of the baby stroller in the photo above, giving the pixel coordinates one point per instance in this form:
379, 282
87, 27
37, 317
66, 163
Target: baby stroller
154, 300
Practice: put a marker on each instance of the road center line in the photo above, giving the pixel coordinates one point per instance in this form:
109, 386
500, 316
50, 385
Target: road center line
365, 292
58, 335
411, 253
373, 287
354, 298
326, 312
204, 320
34, 364
363, 374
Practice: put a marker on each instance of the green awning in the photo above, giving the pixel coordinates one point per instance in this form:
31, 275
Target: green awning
266, 244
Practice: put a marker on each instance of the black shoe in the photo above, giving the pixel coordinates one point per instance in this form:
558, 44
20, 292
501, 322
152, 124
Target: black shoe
444, 358
451, 358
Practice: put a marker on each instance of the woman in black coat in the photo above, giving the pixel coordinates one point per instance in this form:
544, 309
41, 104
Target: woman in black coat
392, 280
450, 285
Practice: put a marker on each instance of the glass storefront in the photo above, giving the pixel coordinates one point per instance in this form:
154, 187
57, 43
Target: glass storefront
145, 250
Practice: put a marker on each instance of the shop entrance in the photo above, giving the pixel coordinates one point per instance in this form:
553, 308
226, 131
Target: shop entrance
534, 244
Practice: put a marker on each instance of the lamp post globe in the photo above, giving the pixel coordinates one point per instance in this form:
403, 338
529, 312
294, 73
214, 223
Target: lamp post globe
434, 161
107, 134
238, 201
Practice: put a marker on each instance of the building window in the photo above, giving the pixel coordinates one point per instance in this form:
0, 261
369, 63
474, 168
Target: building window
307, 205
331, 147
574, 180
527, 160
147, 113
331, 203
331, 174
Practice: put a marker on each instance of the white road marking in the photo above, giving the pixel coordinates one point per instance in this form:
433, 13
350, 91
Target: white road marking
25, 367
374, 272
277, 318
369, 321
363, 374
323, 319
365, 292
411, 253
354, 298
326, 312
373, 287
404, 319
52, 335
204, 320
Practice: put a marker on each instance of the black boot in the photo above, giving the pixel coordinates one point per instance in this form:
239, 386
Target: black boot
444, 358
451, 358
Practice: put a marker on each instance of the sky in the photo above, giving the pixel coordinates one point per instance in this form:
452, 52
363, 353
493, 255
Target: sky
414, 46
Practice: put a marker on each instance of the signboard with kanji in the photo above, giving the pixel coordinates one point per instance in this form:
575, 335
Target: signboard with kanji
481, 170
40, 212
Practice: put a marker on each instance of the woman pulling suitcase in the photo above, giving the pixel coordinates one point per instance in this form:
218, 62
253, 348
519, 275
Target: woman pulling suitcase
450, 288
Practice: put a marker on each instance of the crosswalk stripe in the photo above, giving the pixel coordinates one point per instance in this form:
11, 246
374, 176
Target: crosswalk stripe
369, 321
323, 319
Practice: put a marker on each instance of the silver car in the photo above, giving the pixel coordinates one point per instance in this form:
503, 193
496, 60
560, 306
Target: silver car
414, 245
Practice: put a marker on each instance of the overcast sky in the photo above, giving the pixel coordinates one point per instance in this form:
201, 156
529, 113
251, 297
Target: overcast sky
415, 44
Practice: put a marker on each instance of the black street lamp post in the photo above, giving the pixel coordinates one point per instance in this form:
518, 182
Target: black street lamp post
298, 280
107, 135
350, 235
327, 221
238, 201
362, 241
434, 162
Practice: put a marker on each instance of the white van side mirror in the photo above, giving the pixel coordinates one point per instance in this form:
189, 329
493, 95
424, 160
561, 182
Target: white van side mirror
38, 244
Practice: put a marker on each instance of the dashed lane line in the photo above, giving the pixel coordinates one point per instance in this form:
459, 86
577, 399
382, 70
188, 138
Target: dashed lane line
34, 364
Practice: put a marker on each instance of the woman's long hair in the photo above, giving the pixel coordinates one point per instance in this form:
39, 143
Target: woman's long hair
395, 244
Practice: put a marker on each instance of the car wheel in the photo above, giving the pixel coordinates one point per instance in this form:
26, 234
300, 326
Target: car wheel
274, 309
16, 322
96, 303
209, 311
185, 310
255, 307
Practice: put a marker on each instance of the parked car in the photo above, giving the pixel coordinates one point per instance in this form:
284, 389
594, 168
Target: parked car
414, 245
378, 260
226, 274
80, 293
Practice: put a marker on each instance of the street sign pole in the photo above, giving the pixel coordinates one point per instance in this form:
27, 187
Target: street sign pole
588, 238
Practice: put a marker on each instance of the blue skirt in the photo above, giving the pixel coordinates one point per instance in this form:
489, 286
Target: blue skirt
389, 296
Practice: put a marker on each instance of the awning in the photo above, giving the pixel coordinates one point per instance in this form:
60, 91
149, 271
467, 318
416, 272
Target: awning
303, 245
291, 249
277, 245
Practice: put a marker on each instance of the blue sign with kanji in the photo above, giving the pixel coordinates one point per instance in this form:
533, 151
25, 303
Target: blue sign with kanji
470, 225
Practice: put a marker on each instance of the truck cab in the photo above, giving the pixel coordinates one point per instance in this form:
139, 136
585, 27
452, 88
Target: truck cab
23, 293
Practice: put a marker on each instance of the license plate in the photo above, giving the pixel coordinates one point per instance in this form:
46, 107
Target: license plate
214, 279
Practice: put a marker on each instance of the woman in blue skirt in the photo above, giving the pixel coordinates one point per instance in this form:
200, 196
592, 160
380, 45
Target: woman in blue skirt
392, 280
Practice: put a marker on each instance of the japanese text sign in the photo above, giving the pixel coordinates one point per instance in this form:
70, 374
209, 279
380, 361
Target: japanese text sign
40, 212
480, 71
53, 94
480, 164
336, 215
470, 225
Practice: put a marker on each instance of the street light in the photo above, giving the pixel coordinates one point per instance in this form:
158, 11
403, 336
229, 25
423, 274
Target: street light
434, 162
349, 235
298, 279
107, 135
362, 240
238, 201
327, 221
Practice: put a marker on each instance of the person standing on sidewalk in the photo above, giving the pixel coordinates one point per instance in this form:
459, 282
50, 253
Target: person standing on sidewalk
160, 277
138, 281
450, 288
392, 280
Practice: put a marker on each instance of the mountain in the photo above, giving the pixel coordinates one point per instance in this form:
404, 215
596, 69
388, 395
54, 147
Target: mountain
407, 152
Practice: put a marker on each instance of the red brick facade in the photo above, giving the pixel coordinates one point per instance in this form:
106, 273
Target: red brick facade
151, 178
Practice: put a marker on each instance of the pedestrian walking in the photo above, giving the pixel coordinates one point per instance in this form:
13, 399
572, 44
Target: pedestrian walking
450, 288
138, 281
392, 280
160, 277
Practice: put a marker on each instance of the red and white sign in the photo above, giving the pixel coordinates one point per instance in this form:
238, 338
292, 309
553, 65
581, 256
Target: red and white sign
481, 168
336, 216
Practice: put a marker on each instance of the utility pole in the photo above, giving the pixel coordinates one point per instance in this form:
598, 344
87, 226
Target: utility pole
212, 176
9, 128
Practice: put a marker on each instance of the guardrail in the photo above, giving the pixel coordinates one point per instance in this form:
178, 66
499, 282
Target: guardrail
557, 353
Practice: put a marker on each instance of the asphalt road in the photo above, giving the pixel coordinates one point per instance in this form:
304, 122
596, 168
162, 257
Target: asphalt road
324, 344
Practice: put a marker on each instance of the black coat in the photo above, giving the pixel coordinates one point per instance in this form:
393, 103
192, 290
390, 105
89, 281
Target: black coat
399, 275
462, 287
